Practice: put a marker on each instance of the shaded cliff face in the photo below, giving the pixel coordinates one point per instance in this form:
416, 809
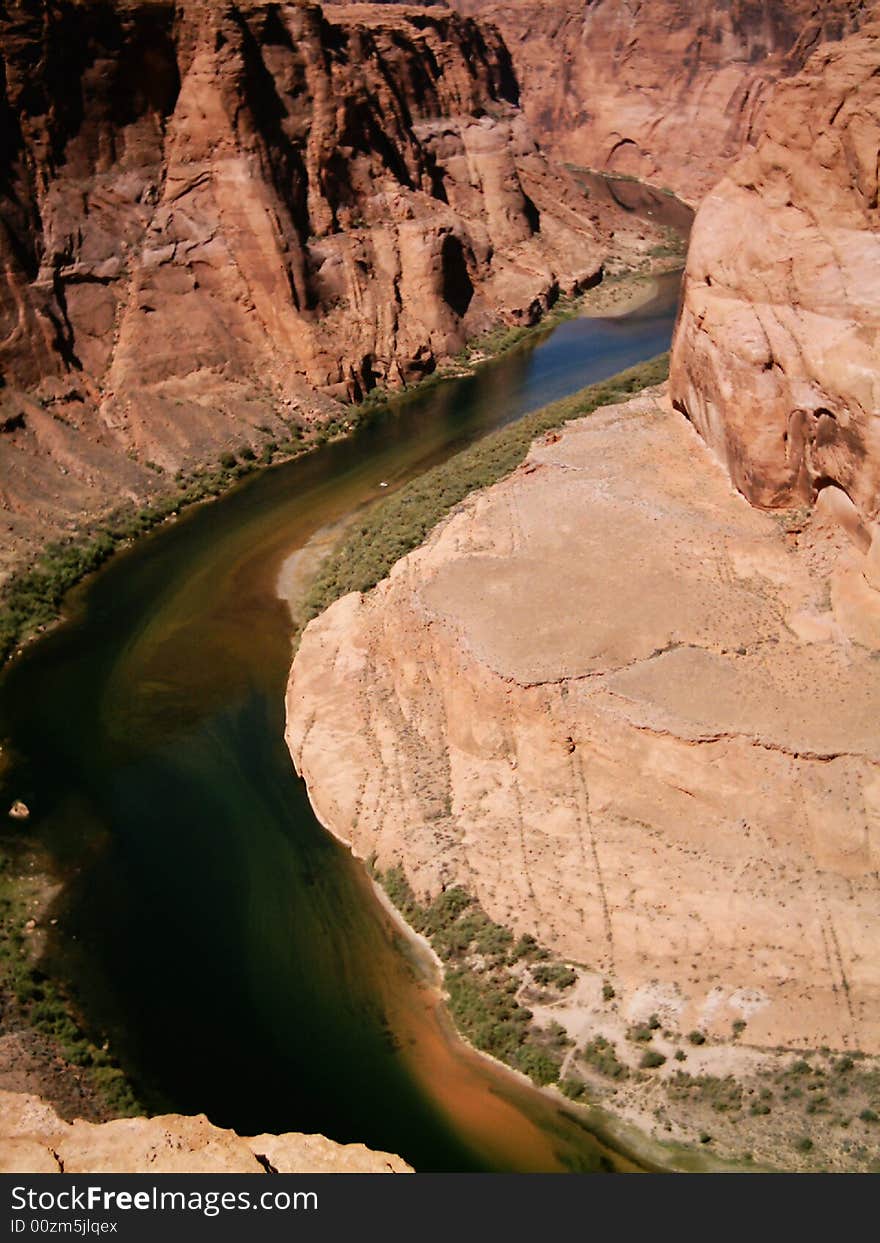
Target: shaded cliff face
665, 90
213, 211
34, 1140
776, 353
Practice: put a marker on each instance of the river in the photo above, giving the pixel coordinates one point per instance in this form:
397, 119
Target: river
236, 956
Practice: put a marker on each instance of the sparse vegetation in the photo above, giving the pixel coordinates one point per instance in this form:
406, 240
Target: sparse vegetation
601, 1055
724, 1095
480, 960
31, 997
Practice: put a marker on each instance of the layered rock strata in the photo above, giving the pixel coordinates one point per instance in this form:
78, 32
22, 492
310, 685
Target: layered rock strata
663, 90
218, 217
34, 1140
623, 708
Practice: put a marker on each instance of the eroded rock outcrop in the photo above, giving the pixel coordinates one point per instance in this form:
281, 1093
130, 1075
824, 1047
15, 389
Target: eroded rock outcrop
663, 90
34, 1140
216, 215
613, 701
776, 353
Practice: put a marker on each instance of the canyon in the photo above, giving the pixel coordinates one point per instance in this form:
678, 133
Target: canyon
222, 223
662, 90
627, 697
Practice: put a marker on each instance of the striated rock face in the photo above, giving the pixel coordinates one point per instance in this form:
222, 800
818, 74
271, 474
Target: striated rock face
34, 1140
665, 90
776, 353
626, 711
211, 210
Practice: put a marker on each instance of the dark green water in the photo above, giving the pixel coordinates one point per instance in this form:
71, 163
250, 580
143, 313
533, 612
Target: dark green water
236, 956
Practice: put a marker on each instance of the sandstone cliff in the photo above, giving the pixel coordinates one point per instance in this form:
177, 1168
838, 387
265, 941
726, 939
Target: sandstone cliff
611, 699
636, 716
214, 215
776, 353
34, 1140
665, 90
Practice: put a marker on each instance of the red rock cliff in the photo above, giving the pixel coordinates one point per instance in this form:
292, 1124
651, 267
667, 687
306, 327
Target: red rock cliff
662, 89
776, 353
211, 208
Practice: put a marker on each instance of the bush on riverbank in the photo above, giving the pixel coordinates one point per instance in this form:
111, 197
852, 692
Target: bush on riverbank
29, 996
32, 598
483, 975
400, 523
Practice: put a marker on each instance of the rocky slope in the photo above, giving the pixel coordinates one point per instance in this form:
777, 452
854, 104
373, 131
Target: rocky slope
776, 353
34, 1140
661, 89
220, 216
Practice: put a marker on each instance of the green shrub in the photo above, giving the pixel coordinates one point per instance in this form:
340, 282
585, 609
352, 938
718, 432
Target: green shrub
697, 1037
602, 1056
555, 975
650, 1059
528, 948
537, 1063
573, 1087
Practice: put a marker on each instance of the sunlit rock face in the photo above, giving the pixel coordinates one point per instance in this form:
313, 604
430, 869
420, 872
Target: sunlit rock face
775, 359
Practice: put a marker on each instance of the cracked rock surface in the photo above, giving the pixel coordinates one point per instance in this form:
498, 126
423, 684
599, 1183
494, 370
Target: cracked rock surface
635, 717
775, 355
34, 1140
